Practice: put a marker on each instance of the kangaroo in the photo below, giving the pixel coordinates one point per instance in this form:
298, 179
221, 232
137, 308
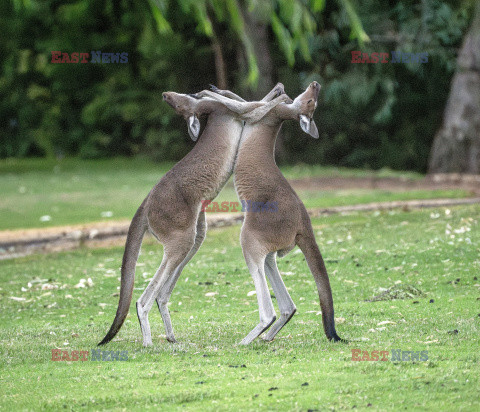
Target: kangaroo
172, 210
282, 222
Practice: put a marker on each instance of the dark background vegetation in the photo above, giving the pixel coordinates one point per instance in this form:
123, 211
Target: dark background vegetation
369, 115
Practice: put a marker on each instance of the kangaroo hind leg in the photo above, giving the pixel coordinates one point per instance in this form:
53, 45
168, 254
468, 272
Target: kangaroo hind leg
164, 294
175, 251
285, 302
256, 265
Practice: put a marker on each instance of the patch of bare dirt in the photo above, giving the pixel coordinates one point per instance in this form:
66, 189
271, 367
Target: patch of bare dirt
449, 181
16, 243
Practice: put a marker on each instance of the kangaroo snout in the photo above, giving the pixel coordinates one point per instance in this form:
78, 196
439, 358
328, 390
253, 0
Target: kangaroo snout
315, 88
169, 98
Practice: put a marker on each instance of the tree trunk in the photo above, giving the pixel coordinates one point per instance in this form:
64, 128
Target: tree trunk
456, 147
257, 30
220, 67
219, 59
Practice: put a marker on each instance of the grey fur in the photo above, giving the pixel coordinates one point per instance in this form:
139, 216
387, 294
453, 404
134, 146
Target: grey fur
264, 233
172, 210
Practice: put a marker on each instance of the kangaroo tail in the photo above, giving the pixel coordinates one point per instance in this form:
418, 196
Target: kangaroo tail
137, 229
315, 262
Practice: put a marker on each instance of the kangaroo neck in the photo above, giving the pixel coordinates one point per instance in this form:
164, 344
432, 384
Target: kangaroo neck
257, 143
213, 157
255, 160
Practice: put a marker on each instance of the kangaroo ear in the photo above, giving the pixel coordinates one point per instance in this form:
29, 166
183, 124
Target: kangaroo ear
308, 126
193, 127
313, 130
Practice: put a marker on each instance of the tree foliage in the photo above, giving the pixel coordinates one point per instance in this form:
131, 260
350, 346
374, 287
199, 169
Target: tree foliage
371, 115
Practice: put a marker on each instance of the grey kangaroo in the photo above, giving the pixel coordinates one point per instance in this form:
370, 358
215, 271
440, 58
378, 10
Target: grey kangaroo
266, 233
172, 210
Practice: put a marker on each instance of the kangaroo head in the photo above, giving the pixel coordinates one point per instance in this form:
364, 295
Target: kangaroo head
185, 106
305, 104
300, 109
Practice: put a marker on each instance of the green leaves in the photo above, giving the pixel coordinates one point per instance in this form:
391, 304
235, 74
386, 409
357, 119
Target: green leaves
238, 25
376, 110
357, 32
204, 23
318, 5
292, 22
284, 38
293, 26
162, 24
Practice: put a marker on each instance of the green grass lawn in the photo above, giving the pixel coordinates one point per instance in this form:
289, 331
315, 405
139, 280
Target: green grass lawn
436, 251
39, 193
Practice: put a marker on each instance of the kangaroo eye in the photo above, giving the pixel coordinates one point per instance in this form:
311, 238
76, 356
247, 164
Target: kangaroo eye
311, 100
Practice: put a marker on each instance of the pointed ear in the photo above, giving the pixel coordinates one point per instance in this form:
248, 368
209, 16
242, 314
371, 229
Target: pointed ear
313, 130
193, 127
308, 126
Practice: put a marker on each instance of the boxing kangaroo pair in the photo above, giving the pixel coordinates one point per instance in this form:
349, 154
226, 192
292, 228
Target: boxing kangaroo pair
238, 137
